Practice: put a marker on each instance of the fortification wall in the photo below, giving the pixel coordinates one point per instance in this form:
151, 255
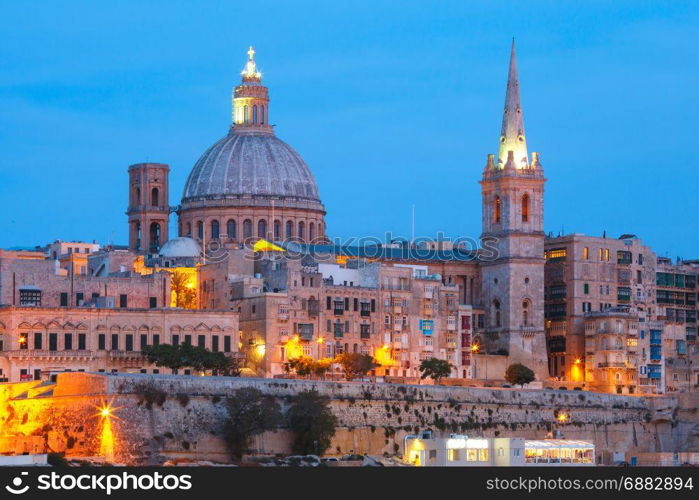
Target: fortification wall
159, 417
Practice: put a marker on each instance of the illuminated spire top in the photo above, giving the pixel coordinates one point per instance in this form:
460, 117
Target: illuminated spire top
512, 135
250, 73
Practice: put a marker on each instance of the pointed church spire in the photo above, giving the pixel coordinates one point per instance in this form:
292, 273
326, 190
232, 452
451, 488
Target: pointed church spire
512, 135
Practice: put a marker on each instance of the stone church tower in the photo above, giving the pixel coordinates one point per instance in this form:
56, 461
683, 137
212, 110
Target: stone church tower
513, 238
149, 211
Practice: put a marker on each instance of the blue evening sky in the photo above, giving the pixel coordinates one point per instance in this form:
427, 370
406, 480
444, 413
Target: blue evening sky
390, 103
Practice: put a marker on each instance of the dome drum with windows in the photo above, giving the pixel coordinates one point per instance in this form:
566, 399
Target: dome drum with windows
250, 183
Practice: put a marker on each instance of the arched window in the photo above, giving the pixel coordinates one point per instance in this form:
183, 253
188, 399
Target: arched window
215, 230
154, 197
189, 230
496, 313
262, 115
137, 197
497, 209
154, 237
254, 114
525, 313
138, 236
525, 208
246, 118
230, 228
247, 228
311, 232
289, 229
301, 230
200, 230
262, 228
277, 230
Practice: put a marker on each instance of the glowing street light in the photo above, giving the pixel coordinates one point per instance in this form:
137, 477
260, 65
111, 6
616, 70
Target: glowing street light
562, 417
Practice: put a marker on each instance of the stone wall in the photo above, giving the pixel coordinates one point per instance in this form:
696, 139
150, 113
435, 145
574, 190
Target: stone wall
159, 417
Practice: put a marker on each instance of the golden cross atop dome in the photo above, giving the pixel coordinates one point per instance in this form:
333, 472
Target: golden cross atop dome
250, 71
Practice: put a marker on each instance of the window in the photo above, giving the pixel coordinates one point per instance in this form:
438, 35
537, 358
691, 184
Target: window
175, 340
311, 231
230, 228
214, 343
262, 228
525, 313
262, 115
289, 229
115, 342
453, 455
79, 298
556, 254
215, 230
277, 229
152, 302
586, 288
254, 114
200, 230
129, 342
247, 228
586, 253
123, 300
64, 299
301, 230
525, 208
201, 341
82, 341
227, 343
154, 197
497, 208
68, 342
29, 297
496, 312
37, 340
101, 342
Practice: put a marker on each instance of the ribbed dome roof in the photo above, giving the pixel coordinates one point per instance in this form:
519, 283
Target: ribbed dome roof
250, 164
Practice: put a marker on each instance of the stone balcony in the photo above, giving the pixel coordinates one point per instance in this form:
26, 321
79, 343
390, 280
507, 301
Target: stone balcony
45, 354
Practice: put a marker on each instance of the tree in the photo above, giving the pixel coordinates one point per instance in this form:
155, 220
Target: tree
302, 366
185, 293
312, 422
518, 374
187, 355
249, 413
355, 364
321, 367
435, 368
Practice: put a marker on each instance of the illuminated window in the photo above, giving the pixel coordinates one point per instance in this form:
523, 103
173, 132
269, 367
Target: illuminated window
606, 254
556, 254
525, 208
472, 455
453, 455
483, 455
631, 342
586, 253
497, 209
601, 254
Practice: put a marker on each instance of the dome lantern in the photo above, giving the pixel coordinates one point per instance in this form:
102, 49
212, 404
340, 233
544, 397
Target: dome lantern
251, 100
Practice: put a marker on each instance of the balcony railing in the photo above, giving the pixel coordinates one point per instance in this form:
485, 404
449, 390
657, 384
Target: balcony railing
45, 353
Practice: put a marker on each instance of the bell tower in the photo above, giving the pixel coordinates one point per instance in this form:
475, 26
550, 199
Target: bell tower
149, 209
512, 191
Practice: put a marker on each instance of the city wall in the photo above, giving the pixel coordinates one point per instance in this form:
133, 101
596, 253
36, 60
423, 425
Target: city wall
164, 417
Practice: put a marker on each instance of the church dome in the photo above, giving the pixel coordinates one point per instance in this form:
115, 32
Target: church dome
180, 247
251, 163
